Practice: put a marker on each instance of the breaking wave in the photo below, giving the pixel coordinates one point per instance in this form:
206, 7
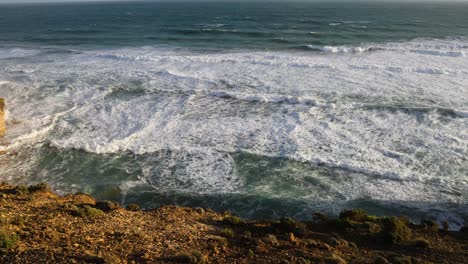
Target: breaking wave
383, 123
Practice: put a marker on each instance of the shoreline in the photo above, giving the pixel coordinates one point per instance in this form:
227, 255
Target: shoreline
39, 226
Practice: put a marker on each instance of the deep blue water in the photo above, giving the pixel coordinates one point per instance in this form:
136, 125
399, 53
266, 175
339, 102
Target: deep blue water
260, 25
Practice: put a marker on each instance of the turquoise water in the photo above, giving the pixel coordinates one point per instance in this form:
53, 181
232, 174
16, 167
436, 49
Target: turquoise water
263, 109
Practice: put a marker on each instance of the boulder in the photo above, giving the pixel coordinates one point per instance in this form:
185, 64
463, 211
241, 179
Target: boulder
107, 206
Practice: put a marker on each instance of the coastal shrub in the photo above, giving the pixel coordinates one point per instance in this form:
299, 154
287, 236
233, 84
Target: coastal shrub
133, 207
430, 225
232, 220
227, 232
3, 220
84, 211
357, 215
7, 240
372, 227
41, 187
394, 230
247, 235
88, 211
289, 225
19, 220
21, 190
70, 207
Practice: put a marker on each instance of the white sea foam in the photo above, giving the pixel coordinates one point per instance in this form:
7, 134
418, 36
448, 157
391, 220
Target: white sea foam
339, 49
17, 53
394, 121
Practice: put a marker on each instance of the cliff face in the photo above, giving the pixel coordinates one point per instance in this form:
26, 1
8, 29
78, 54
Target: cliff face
38, 226
2, 117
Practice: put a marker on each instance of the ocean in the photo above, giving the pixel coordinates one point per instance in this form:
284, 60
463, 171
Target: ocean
262, 109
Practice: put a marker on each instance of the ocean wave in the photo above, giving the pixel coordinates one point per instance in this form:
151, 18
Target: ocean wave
442, 48
336, 127
9, 53
342, 49
293, 100
444, 53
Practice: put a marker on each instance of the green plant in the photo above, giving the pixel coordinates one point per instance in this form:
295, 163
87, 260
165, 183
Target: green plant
227, 232
232, 220
247, 235
21, 190
394, 230
19, 220
430, 225
7, 240
357, 215
84, 211
289, 225
3, 220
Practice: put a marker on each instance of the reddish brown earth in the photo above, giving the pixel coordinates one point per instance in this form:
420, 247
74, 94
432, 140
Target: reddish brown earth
38, 226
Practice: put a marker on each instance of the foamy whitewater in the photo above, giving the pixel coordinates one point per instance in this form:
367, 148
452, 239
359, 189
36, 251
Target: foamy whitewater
261, 132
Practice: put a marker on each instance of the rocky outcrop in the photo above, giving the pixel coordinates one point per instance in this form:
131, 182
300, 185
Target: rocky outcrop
2, 117
39, 226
